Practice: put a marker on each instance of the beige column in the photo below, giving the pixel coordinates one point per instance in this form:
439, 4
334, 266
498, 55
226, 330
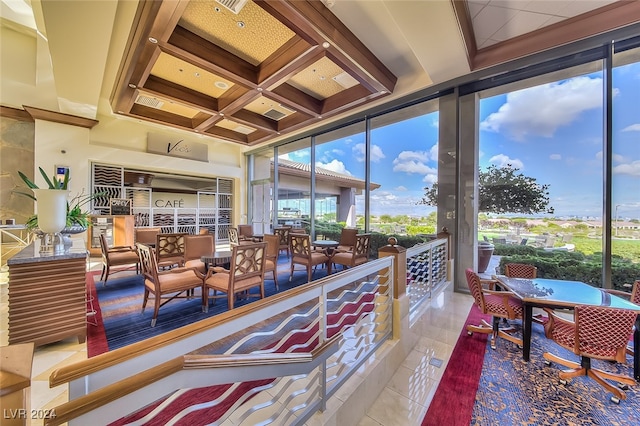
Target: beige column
16, 362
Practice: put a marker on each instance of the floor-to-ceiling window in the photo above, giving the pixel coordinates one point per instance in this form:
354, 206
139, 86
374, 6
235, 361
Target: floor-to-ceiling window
404, 161
293, 205
625, 176
340, 179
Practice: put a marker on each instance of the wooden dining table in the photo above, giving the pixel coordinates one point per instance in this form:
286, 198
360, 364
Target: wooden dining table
217, 258
564, 294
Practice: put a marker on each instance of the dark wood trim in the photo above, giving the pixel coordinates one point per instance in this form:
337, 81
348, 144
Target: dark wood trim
297, 99
162, 117
461, 10
175, 92
15, 113
607, 18
59, 117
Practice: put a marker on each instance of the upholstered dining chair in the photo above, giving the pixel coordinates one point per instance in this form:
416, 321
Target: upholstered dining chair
347, 239
246, 271
234, 238
597, 332
245, 233
498, 304
271, 256
633, 296
520, 270
358, 254
147, 235
170, 250
117, 256
165, 285
283, 233
196, 246
303, 254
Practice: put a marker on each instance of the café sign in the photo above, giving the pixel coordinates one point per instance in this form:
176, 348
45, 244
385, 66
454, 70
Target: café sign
172, 146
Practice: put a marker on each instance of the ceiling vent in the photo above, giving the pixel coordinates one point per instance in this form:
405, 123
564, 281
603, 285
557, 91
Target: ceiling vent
274, 114
233, 5
149, 101
345, 80
243, 129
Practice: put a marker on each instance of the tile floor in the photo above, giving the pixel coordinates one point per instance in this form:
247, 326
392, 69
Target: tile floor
403, 401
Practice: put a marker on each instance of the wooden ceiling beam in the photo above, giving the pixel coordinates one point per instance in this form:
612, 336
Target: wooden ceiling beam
252, 119
299, 101
175, 92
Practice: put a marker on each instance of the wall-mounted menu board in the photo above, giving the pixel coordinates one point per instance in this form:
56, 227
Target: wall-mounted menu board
120, 206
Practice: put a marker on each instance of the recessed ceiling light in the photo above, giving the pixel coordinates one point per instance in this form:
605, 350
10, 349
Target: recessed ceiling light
197, 74
240, 24
326, 45
222, 114
153, 40
259, 89
133, 86
221, 85
217, 9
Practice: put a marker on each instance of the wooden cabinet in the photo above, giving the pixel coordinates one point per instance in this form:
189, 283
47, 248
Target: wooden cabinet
119, 231
47, 295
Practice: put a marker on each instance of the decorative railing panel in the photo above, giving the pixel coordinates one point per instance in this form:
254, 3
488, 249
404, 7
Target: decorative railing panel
427, 265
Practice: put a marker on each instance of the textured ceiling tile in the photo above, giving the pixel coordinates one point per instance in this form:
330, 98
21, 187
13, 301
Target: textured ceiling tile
317, 80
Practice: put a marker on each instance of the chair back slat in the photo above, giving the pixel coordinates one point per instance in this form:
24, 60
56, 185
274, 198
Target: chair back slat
475, 287
247, 261
300, 245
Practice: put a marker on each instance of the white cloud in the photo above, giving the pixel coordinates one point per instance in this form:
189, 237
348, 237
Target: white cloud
376, 153
617, 158
631, 169
335, 166
632, 128
433, 152
400, 188
555, 157
541, 110
430, 178
413, 162
502, 160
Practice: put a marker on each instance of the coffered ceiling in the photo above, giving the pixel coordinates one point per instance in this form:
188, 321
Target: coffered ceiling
245, 71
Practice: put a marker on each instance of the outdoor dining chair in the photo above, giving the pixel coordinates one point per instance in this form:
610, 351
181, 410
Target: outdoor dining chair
358, 255
347, 239
283, 233
597, 332
167, 285
271, 257
633, 296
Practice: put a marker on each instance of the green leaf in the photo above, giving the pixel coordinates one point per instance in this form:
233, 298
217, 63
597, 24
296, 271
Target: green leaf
46, 178
27, 181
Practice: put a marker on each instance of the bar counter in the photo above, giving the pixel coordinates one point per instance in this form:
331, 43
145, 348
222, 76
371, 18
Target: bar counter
47, 294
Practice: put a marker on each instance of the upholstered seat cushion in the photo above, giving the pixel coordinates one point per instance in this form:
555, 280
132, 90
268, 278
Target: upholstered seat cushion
198, 264
345, 258
495, 305
316, 259
220, 281
117, 258
176, 281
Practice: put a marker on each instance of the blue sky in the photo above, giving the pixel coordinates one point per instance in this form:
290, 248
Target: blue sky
552, 132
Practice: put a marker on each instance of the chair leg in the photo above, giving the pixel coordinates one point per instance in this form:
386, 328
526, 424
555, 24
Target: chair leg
144, 299
230, 299
609, 387
102, 274
309, 272
275, 279
106, 275
156, 308
205, 299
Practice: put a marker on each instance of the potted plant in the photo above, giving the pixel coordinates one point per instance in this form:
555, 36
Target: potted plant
75, 218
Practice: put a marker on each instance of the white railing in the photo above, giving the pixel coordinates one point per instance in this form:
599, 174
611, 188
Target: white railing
337, 323
427, 265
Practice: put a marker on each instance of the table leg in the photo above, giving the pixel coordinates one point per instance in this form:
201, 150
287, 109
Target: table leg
636, 350
526, 331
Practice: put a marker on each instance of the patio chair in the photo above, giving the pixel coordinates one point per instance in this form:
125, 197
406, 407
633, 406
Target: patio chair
597, 332
302, 254
246, 271
498, 304
117, 256
165, 285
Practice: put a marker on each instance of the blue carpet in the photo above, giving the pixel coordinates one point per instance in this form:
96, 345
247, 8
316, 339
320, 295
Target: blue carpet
121, 303
514, 392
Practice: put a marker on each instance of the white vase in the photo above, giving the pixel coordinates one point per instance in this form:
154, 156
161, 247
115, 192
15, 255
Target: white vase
52, 209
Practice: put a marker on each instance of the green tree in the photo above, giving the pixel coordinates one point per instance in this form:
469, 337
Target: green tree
503, 190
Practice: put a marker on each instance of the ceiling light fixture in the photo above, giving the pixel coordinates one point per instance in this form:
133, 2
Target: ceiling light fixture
133, 86
221, 85
259, 89
326, 45
153, 40
240, 24
197, 74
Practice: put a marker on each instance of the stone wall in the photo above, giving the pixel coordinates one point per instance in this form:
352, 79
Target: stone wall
17, 145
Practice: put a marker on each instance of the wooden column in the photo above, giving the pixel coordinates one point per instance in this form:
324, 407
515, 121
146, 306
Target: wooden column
400, 266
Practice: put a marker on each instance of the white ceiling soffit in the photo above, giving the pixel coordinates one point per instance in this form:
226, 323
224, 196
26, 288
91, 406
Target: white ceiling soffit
79, 34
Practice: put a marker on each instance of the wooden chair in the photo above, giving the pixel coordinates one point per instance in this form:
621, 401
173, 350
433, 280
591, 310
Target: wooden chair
597, 332
234, 238
357, 256
271, 257
170, 250
347, 239
147, 235
246, 271
196, 246
302, 254
245, 233
117, 256
283, 233
498, 304
166, 285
